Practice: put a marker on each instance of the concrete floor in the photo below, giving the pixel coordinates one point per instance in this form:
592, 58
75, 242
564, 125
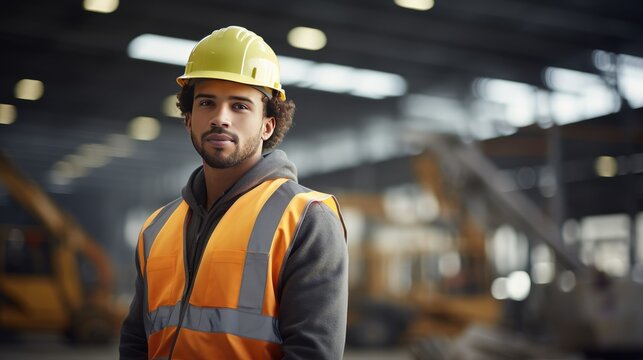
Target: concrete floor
49, 347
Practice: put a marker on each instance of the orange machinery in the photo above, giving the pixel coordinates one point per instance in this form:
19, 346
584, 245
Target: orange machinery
40, 281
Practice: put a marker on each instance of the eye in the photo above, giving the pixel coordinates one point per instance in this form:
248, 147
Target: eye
206, 102
240, 106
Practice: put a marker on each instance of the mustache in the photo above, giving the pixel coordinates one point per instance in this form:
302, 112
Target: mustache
219, 131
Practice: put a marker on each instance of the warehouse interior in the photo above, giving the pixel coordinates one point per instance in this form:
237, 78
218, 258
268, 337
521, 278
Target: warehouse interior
487, 157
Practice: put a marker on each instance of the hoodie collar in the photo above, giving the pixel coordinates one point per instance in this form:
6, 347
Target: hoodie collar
273, 165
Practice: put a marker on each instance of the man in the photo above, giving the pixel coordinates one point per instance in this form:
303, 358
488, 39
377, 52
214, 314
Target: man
247, 264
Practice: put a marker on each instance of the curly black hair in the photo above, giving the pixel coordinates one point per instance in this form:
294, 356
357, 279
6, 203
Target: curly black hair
282, 111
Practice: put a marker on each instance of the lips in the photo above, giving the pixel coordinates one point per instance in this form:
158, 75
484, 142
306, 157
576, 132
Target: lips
219, 137
219, 140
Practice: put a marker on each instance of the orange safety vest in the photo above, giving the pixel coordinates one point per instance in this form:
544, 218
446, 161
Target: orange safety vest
232, 310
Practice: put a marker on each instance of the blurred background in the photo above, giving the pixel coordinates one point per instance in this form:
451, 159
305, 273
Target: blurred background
487, 154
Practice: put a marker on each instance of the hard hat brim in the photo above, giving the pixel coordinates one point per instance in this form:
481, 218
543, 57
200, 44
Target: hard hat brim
221, 75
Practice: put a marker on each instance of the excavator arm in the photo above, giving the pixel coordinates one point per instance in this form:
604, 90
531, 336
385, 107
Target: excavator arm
70, 240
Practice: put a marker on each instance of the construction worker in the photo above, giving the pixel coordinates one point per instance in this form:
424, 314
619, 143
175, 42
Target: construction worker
247, 263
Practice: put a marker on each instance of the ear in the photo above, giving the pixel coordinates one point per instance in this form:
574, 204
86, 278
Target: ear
268, 127
187, 121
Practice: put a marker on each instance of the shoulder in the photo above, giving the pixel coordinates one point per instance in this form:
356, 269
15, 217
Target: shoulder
315, 210
321, 222
307, 199
162, 213
319, 211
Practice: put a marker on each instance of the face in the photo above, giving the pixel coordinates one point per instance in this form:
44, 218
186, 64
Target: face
226, 124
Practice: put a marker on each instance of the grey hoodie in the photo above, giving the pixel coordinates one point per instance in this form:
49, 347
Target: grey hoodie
313, 286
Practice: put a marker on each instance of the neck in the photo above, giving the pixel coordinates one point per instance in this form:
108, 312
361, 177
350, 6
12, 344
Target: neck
217, 181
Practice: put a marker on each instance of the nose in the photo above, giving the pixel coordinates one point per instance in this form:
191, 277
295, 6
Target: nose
220, 117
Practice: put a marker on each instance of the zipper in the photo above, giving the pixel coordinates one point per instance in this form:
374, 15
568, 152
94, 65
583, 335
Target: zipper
198, 250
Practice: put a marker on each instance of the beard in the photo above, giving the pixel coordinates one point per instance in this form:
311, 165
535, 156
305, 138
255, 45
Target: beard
218, 160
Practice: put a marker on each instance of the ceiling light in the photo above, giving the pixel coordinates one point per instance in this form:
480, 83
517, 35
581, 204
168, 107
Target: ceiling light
29, 89
169, 107
499, 288
341, 79
543, 272
594, 97
7, 114
606, 166
565, 108
376, 84
306, 38
69, 167
329, 77
144, 128
78, 160
518, 285
160, 49
567, 281
630, 79
421, 5
604, 60
100, 6
64, 171
571, 81
119, 145
449, 264
518, 99
94, 155
58, 178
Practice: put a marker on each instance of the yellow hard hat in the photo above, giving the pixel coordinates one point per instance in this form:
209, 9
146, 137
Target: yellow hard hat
234, 54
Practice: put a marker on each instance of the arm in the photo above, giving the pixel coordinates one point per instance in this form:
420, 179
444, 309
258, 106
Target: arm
133, 343
314, 289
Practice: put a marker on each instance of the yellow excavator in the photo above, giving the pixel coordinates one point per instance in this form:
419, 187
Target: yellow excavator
41, 287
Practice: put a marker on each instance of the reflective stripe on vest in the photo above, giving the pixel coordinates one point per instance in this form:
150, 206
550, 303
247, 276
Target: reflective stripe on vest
229, 321
235, 286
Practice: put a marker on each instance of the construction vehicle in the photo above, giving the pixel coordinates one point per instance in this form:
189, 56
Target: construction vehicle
41, 288
417, 275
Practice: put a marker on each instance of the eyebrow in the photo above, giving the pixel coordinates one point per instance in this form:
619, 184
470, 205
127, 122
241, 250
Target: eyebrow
233, 97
